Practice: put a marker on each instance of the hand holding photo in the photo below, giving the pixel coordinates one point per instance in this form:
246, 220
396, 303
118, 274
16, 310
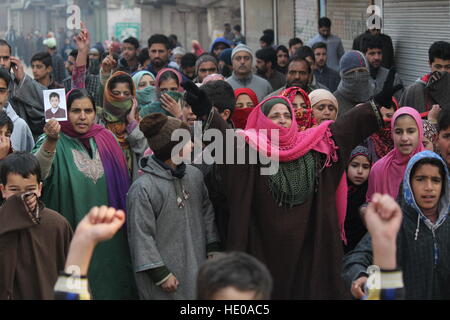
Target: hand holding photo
55, 105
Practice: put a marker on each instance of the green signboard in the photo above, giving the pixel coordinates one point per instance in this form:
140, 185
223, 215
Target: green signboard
123, 30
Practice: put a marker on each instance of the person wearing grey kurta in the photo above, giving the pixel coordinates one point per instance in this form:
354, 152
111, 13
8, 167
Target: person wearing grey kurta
21, 137
171, 229
259, 85
163, 234
335, 49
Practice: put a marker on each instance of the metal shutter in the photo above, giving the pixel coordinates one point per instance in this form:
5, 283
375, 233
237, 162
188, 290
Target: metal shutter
413, 27
348, 19
306, 17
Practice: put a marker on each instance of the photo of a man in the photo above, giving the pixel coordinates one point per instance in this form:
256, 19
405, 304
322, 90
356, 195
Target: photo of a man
54, 107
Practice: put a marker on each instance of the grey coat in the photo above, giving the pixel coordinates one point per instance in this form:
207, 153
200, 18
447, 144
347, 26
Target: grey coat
160, 233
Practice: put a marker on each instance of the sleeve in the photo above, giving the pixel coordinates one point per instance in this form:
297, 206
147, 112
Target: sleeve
353, 127
356, 262
356, 43
340, 50
212, 238
398, 95
44, 158
137, 141
79, 77
141, 227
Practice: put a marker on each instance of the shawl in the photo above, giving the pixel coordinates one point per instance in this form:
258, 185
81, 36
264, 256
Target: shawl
240, 115
146, 96
113, 160
393, 165
248, 92
160, 74
429, 131
115, 109
304, 117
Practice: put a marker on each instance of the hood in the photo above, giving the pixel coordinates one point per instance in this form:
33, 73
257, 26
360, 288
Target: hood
408, 196
149, 165
11, 113
220, 40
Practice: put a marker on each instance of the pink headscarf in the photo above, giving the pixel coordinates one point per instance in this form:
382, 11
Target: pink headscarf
387, 173
294, 144
161, 72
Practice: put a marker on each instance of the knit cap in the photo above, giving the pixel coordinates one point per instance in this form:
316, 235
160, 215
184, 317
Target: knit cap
239, 48
225, 56
205, 58
319, 95
158, 129
351, 60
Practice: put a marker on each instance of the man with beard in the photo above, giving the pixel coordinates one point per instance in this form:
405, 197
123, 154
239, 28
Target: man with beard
266, 60
299, 75
324, 74
159, 52
372, 47
432, 88
242, 77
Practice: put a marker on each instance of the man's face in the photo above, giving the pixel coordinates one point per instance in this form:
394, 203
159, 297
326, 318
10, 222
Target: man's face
298, 74
374, 57
129, 52
40, 71
294, 48
17, 184
3, 94
5, 55
261, 66
321, 57
282, 59
440, 65
218, 48
443, 145
263, 44
242, 63
159, 55
54, 101
69, 64
189, 72
324, 32
205, 69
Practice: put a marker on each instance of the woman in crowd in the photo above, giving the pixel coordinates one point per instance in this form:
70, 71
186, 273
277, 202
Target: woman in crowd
324, 105
120, 116
246, 100
82, 167
144, 81
302, 107
169, 95
357, 176
407, 134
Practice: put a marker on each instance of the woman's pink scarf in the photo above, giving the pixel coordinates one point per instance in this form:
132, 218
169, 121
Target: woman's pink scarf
387, 173
161, 72
294, 144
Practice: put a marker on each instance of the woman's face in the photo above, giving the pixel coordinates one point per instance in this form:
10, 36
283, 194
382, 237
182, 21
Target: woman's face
168, 85
82, 115
406, 135
121, 89
280, 115
299, 102
244, 101
324, 110
426, 184
358, 170
146, 81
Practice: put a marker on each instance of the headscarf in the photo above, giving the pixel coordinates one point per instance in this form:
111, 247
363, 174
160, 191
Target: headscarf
240, 115
223, 40
113, 160
410, 201
305, 119
294, 151
115, 109
145, 96
382, 139
156, 107
197, 48
358, 151
429, 131
387, 173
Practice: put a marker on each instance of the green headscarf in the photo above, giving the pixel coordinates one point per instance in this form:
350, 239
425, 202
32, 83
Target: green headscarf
146, 96
267, 106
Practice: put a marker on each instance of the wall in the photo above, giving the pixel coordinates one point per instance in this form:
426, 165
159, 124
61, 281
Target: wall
258, 17
306, 16
285, 21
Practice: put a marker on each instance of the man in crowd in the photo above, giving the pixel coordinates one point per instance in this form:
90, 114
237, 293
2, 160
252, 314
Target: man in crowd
372, 47
432, 88
242, 77
307, 53
324, 74
187, 65
58, 68
227, 33
130, 50
335, 49
266, 61
387, 50
238, 36
205, 65
159, 52
219, 45
294, 45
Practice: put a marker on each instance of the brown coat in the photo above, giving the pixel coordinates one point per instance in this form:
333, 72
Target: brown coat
301, 246
31, 254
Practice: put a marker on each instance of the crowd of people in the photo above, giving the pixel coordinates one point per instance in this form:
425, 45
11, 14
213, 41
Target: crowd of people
111, 200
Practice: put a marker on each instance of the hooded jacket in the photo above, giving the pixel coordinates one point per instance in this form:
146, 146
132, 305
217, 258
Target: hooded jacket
423, 248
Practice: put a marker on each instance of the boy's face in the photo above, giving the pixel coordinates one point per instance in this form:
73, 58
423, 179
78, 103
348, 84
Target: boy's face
40, 71
54, 101
17, 184
426, 185
5, 132
3, 94
443, 145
